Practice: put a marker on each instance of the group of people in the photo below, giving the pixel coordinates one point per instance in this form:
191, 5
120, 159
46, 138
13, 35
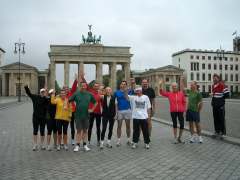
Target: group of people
85, 103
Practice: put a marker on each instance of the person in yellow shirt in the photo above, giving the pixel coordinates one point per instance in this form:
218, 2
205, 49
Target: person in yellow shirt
63, 117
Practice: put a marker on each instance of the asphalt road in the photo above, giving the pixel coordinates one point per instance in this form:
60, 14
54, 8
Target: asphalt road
232, 116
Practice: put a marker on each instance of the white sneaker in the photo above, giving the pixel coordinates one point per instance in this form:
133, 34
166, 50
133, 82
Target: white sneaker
200, 139
49, 148
76, 149
175, 141
192, 139
86, 148
134, 145
62, 146
147, 146
35, 147
101, 145
109, 145
72, 142
66, 147
118, 143
58, 147
43, 147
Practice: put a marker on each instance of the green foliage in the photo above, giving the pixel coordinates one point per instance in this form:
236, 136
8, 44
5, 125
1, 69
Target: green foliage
120, 77
57, 87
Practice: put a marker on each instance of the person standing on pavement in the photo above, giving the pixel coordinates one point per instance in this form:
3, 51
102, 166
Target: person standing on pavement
40, 103
69, 94
123, 110
108, 114
219, 93
193, 112
132, 87
51, 122
62, 116
177, 102
146, 90
141, 111
82, 98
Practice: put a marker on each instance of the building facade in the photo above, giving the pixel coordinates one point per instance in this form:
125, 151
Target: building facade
168, 74
200, 65
2, 52
29, 75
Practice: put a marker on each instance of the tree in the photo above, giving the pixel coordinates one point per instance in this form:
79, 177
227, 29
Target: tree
120, 77
57, 87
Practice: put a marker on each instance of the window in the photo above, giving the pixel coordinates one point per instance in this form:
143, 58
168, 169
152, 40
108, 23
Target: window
197, 66
220, 66
203, 57
220, 58
209, 77
226, 67
209, 88
179, 60
203, 66
236, 77
226, 77
231, 88
226, 58
209, 57
179, 65
192, 76
167, 79
221, 76
236, 89
197, 57
209, 66
197, 76
191, 66
236, 67
191, 57
203, 88
236, 59
231, 67
203, 76
215, 58
231, 77
215, 66
231, 58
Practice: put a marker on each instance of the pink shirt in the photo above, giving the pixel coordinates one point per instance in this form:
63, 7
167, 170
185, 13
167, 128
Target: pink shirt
177, 100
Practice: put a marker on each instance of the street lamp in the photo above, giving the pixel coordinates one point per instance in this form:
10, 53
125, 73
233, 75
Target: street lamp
19, 48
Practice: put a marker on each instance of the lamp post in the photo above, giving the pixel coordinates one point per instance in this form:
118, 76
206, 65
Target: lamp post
19, 48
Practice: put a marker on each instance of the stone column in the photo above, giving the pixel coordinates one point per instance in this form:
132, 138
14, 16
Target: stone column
11, 85
127, 72
66, 74
99, 77
46, 80
113, 75
31, 85
52, 75
3, 84
80, 67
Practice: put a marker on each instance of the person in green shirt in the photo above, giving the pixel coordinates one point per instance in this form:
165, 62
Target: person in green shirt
82, 98
193, 112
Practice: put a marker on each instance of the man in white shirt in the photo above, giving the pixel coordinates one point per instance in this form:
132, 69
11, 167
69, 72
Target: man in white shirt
141, 109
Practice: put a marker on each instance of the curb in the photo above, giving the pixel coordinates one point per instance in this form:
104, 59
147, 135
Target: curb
227, 139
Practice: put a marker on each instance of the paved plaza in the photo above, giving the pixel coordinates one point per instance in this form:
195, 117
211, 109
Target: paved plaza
213, 159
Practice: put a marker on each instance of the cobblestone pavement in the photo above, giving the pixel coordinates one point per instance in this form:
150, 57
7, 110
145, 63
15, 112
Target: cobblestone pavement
211, 160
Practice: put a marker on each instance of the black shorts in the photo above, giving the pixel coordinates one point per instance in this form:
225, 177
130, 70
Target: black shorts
192, 116
82, 124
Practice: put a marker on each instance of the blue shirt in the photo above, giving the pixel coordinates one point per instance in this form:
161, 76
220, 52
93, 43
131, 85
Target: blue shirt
122, 102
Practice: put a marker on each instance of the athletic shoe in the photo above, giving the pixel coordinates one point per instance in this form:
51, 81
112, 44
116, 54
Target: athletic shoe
35, 147
43, 147
62, 146
175, 141
49, 148
180, 140
192, 139
109, 145
147, 146
215, 135
76, 149
200, 139
66, 147
86, 148
58, 147
134, 145
72, 142
98, 143
129, 143
101, 145
55, 146
118, 143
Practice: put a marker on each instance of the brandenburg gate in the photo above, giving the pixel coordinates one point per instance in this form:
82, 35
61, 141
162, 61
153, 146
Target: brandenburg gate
90, 51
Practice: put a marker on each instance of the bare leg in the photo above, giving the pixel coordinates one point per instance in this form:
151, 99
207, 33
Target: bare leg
55, 138
59, 137
48, 139
78, 137
119, 129
180, 133
198, 126
191, 128
42, 139
128, 130
65, 139
35, 139
175, 132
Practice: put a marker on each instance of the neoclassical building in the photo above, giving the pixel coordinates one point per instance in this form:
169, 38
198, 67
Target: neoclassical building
29, 75
167, 73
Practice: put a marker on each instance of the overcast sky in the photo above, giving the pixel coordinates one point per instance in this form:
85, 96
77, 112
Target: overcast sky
154, 29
